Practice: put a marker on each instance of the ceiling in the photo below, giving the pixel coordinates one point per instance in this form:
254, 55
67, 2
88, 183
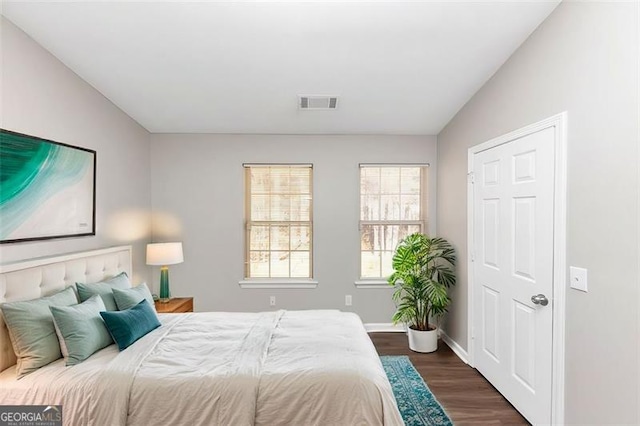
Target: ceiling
238, 67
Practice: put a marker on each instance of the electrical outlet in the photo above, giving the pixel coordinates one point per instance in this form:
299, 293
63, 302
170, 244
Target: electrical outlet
347, 300
272, 301
578, 278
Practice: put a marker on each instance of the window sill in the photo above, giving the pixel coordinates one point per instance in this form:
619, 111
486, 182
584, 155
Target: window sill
278, 283
372, 284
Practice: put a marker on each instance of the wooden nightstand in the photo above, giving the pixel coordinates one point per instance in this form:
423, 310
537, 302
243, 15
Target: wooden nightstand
175, 305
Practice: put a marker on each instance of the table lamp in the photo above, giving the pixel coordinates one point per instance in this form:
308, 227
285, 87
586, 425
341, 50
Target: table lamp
164, 254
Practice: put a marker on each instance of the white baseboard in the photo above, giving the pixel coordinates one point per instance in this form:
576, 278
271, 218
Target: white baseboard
387, 327
384, 327
455, 347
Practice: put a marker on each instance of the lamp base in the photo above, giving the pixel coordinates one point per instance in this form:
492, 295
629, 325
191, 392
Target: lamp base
165, 294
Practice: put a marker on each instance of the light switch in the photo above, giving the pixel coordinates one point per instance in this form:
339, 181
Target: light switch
578, 278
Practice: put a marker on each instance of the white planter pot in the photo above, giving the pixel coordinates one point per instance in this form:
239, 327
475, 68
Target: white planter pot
423, 341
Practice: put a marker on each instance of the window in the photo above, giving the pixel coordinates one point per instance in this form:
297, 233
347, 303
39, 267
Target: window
392, 206
279, 224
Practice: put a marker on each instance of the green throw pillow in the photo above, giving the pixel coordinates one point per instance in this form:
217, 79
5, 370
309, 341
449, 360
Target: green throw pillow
81, 329
103, 289
32, 332
130, 297
128, 326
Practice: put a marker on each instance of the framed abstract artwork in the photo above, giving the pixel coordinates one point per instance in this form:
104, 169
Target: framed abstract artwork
47, 189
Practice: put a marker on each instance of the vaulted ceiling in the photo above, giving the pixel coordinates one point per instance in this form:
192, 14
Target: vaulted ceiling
238, 67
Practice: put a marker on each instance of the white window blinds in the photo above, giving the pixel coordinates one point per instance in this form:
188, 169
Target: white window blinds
392, 206
279, 221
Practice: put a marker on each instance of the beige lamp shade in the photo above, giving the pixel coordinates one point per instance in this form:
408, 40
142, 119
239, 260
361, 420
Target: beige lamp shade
164, 254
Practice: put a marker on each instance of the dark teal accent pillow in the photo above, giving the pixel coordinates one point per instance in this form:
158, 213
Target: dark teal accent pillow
131, 324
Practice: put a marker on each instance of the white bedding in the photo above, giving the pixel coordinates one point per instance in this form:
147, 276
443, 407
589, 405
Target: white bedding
273, 368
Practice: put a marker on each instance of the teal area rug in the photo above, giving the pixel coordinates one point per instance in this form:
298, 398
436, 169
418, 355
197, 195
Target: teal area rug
417, 404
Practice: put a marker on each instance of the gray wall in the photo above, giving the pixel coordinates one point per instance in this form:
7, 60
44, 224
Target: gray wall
582, 59
42, 97
197, 198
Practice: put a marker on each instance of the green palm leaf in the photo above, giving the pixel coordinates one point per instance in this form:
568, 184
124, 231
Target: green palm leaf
423, 271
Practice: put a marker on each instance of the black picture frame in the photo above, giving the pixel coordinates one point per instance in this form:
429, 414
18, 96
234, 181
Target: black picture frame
31, 168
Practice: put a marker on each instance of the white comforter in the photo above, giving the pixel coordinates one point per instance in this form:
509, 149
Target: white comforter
273, 368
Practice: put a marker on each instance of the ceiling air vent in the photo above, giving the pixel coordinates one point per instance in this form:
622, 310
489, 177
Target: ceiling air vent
318, 102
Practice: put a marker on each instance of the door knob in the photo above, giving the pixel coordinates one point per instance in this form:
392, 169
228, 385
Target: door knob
540, 299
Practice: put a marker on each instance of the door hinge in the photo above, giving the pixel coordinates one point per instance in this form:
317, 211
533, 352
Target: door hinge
472, 178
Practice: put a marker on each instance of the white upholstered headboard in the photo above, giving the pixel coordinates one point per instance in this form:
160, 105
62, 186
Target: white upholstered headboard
31, 279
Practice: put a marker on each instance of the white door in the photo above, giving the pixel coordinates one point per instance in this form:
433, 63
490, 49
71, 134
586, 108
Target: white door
512, 270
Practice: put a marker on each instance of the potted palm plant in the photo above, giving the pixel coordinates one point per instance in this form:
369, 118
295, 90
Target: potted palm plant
423, 270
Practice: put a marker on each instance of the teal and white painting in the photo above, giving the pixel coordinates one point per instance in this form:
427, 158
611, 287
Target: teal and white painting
47, 189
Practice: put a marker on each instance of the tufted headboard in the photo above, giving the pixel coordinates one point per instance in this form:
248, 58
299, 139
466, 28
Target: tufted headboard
31, 279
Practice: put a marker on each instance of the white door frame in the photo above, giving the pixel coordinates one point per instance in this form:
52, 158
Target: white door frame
559, 123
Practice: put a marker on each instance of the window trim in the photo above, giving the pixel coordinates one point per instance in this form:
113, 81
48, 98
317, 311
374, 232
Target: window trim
275, 282
381, 282
300, 283
372, 283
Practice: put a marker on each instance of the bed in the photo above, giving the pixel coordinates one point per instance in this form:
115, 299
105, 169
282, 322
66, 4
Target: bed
270, 368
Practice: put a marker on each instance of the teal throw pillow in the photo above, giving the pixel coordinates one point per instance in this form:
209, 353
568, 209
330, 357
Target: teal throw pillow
32, 332
104, 290
130, 325
81, 329
130, 297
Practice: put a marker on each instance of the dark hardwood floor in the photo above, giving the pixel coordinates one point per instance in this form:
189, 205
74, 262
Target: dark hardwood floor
466, 396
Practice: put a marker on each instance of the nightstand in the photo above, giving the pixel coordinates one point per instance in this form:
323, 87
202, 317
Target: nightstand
175, 305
